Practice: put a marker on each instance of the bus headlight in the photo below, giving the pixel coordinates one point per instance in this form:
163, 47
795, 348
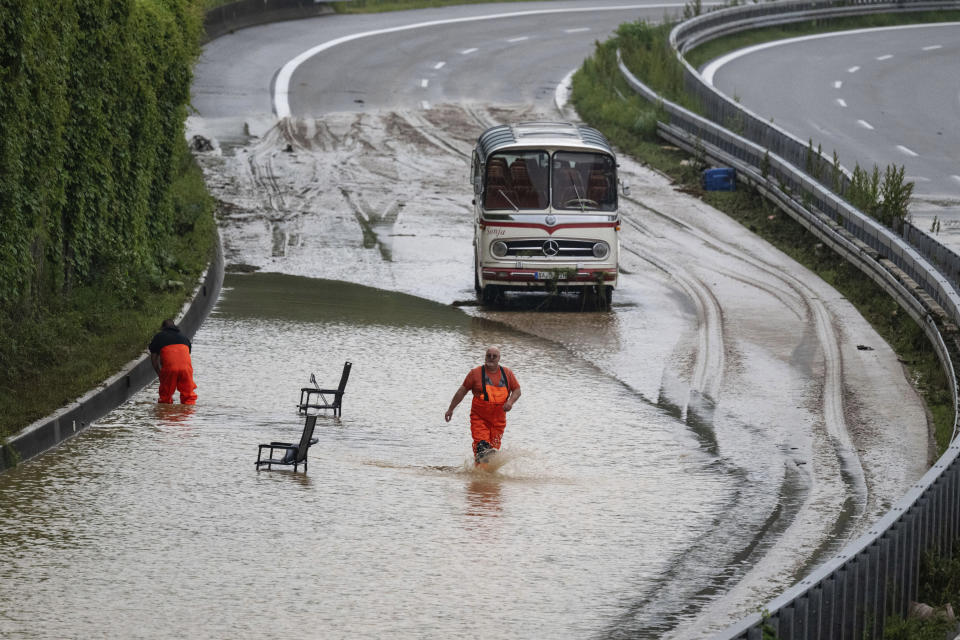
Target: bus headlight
601, 250
498, 249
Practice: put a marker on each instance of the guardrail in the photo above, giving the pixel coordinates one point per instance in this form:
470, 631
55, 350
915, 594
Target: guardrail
851, 594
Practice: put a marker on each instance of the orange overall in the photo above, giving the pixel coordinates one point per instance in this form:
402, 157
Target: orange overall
176, 374
487, 417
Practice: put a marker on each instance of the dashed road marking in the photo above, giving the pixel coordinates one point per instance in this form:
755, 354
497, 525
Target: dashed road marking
578, 30
425, 105
424, 82
439, 65
853, 69
956, 177
520, 39
841, 102
837, 84
865, 124
885, 56
466, 52
909, 152
933, 47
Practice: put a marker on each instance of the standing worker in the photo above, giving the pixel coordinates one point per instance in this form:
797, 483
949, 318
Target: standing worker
170, 356
495, 390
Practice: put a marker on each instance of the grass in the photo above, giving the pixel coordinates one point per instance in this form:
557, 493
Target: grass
73, 345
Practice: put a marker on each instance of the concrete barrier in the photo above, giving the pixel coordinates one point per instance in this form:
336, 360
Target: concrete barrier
248, 13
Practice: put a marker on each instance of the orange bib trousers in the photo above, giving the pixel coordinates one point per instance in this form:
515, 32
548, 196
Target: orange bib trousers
487, 417
176, 374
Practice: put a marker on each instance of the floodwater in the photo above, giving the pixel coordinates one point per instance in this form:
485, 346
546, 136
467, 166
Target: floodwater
155, 523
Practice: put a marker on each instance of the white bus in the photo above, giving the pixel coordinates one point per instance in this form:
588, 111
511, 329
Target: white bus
545, 210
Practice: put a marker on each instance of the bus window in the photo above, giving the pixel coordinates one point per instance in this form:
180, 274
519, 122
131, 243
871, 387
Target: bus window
517, 180
584, 181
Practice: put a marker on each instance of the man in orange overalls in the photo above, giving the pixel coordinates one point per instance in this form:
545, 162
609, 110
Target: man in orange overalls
495, 390
170, 356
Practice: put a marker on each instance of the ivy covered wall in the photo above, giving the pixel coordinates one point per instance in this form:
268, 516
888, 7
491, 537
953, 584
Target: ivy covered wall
93, 98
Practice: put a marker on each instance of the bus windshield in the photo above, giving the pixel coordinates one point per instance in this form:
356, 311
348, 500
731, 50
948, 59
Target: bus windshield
584, 181
517, 180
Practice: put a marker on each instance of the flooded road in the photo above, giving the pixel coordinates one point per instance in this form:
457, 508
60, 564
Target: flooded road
154, 522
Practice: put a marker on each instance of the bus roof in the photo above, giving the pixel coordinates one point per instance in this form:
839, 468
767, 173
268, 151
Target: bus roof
547, 134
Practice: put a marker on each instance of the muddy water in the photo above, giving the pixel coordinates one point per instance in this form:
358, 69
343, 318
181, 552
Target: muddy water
154, 523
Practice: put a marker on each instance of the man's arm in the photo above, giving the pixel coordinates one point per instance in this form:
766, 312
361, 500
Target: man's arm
155, 361
457, 397
512, 398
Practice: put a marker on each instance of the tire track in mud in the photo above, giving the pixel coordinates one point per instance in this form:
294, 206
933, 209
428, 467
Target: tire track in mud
834, 432
434, 135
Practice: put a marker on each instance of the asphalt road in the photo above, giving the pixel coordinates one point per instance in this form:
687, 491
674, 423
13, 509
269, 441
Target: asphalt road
876, 97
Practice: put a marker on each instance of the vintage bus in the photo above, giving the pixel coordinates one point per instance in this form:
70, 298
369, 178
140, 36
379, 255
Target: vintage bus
545, 210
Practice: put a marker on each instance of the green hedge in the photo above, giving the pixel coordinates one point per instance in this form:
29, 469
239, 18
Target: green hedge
93, 97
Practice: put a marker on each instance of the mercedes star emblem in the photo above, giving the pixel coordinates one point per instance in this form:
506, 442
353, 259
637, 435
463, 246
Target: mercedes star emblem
551, 248
550, 220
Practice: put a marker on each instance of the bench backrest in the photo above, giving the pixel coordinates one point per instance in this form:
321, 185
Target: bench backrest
308, 428
346, 374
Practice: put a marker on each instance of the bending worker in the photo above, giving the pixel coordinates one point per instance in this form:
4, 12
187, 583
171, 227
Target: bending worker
170, 356
495, 390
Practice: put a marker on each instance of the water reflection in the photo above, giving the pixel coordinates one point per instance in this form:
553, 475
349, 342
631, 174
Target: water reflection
174, 414
483, 497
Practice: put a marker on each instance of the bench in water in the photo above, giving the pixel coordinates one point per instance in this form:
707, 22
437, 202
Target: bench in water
316, 398
293, 454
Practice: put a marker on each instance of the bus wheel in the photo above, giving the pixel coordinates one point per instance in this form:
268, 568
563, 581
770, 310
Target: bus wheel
489, 295
608, 297
476, 281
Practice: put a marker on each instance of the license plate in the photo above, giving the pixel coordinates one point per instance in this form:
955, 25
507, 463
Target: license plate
551, 275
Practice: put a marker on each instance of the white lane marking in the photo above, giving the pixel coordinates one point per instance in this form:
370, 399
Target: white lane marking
425, 105
467, 52
424, 82
907, 151
886, 56
520, 39
711, 69
578, 30
933, 47
865, 124
439, 65
281, 90
841, 102
956, 177
853, 69
837, 84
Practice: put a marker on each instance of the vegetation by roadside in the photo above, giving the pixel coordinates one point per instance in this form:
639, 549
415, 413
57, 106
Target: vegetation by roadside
71, 344
106, 220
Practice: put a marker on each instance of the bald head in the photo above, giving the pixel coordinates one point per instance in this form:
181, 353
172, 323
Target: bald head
492, 358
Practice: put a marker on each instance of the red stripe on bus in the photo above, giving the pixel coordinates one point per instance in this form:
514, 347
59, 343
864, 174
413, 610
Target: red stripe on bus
550, 230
